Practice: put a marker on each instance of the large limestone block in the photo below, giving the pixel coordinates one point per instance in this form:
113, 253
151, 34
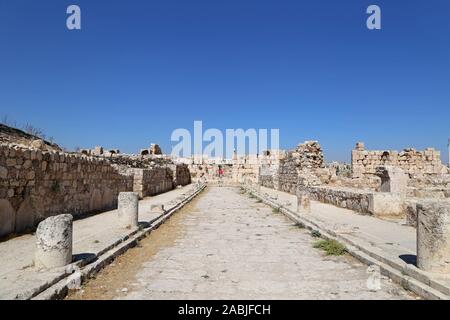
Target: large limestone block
393, 179
386, 205
433, 236
54, 242
128, 209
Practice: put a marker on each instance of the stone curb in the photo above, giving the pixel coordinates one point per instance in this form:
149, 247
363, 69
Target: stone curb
85, 269
408, 276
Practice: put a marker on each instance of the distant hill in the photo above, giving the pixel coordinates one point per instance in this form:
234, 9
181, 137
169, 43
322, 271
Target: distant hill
17, 136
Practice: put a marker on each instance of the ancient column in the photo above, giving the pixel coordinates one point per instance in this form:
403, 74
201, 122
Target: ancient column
54, 242
303, 203
433, 236
128, 209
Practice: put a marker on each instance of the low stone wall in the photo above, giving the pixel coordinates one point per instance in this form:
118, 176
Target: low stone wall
268, 177
181, 174
35, 185
288, 176
432, 193
357, 200
378, 204
149, 182
266, 181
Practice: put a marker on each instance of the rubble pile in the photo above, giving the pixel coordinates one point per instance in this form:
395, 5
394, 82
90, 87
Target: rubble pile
308, 155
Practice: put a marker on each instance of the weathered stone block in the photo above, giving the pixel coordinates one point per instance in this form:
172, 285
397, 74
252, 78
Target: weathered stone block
54, 242
386, 205
128, 209
393, 179
433, 236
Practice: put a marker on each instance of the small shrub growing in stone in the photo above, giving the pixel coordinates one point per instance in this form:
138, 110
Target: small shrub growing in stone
331, 247
276, 210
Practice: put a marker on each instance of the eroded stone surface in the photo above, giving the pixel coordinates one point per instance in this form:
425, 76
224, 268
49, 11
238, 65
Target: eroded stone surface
393, 179
128, 209
230, 246
54, 242
433, 236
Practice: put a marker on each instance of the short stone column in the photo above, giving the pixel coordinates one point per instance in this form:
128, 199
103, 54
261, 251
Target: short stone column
54, 242
128, 209
433, 236
393, 179
303, 203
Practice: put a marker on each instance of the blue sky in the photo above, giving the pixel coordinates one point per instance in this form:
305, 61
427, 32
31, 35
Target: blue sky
140, 69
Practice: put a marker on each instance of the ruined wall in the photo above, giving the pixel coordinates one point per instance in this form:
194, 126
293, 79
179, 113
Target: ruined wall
268, 176
411, 161
288, 176
149, 182
246, 170
36, 184
181, 174
301, 167
357, 200
157, 179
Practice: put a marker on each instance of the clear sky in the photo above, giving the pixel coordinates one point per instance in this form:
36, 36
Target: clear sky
139, 69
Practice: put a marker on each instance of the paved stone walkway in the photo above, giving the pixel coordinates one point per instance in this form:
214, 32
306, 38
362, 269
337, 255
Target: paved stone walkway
226, 245
90, 236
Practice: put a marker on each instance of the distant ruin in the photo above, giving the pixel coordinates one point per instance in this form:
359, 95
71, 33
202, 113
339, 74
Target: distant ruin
411, 161
379, 183
39, 180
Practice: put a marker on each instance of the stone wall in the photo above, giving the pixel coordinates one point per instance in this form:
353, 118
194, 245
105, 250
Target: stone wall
35, 185
149, 182
246, 170
378, 204
353, 199
159, 179
304, 166
268, 177
411, 161
288, 176
181, 174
